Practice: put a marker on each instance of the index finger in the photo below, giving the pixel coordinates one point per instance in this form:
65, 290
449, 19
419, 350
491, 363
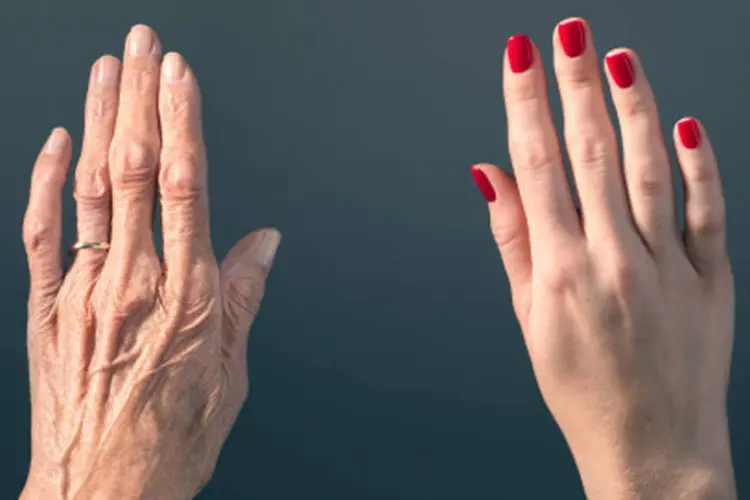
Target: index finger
533, 143
182, 175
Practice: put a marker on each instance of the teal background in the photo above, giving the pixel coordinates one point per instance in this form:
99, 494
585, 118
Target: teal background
386, 362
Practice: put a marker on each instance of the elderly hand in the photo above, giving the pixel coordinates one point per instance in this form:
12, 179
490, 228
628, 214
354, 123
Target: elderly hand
137, 364
628, 320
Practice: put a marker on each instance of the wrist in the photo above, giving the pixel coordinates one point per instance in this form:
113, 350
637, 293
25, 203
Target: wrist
48, 485
646, 458
689, 483
620, 473
121, 491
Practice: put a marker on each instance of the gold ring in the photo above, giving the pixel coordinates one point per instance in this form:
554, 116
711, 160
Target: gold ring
95, 245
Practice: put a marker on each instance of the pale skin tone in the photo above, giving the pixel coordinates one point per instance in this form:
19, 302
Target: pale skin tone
137, 363
628, 320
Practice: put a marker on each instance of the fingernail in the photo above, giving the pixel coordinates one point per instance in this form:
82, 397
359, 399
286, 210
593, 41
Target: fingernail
107, 72
690, 133
56, 142
520, 53
264, 249
483, 183
173, 69
140, 41
572, 37
621, 68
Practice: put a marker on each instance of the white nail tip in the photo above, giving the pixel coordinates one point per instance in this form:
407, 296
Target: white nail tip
264, 250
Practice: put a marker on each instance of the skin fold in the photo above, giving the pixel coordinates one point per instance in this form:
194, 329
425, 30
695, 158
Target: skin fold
137, 363
628, 321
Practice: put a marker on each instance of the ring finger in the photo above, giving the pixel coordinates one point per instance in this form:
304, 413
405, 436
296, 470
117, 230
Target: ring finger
92, 185
646, 163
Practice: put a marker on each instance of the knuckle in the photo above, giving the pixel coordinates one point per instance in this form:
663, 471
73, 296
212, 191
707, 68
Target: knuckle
532, 153
134, 162
181, 177
701, 175
92, 180
648, 172
576, 76
588, 148
563, 273
177, 104
133, 291
650, 187
128, 300
525, 91
505, 233
141, 77
39, 235
708, 220
100, 107
561, 281
621, 274
639, 109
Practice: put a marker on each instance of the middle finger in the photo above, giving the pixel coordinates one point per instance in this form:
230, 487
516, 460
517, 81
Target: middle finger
135, 148
589, 135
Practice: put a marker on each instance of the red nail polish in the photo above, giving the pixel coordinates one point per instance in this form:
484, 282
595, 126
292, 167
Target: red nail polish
520, 53
621, 68
484, 185
690, 133
572, 37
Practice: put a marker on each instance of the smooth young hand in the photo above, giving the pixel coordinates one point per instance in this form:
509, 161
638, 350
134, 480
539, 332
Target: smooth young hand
628, 320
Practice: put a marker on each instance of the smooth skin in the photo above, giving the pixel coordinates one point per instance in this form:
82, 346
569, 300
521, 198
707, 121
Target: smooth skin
137, 363
628, 320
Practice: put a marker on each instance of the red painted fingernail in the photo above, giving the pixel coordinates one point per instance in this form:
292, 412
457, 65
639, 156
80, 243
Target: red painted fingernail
621, 68
572, 37
520, 53
690, 133
484, 184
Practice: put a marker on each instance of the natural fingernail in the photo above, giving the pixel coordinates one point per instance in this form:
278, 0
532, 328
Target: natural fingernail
140, 41
173, 69
56, 142
107, 71
484, 185
264, 249
572, 37
621, 68
690, 133
520, 53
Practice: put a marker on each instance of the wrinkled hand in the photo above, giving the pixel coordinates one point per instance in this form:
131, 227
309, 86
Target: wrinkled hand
628, 320
137, 364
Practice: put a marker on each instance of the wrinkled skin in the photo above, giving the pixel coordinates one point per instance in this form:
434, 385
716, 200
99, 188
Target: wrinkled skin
137, 364
628, 321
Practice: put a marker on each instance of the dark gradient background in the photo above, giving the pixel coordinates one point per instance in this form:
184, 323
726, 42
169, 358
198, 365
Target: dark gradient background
386, 362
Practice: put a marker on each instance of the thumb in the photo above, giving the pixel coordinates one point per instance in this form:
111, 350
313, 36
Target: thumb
509, 228
243, 278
